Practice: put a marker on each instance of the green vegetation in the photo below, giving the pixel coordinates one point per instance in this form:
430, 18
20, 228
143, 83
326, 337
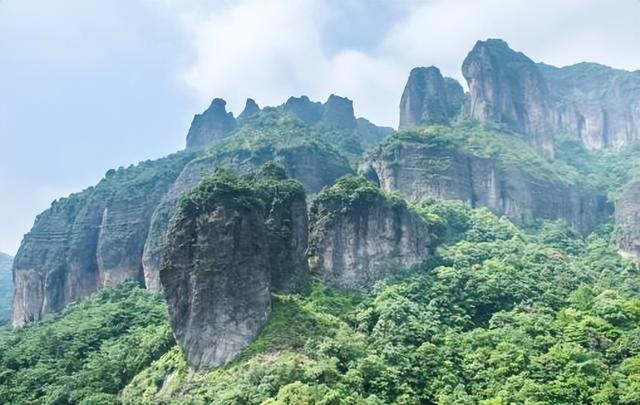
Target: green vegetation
264, 187
351, 192
139, 181
500, 316
484, 140
272, 133
608, 169
87, 354
6, 288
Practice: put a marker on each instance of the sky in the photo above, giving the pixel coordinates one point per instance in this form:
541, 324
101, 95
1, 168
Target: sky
89, 85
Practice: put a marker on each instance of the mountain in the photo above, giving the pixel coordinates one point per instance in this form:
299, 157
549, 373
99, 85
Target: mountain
545, 316
253, 231
486, 166
429, 98
6, 287
596, 104
115, 231
486, 252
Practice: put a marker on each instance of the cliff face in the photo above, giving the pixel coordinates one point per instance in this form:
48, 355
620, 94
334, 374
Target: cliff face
336, 121
212, 125
270, 137
116, 230
506, 86
429, 98
232, 242
250, 109
597, 104
89, 240
6, 288
628, 221
359, 236
423, 165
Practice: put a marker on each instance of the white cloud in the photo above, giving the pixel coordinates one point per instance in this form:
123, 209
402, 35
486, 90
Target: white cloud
270, 50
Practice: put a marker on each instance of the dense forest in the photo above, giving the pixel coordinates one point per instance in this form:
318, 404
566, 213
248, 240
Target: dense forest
500, 315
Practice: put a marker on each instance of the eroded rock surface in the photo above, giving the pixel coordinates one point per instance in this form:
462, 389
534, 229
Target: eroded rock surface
597, 104
429, 98
359, 236
89, 240
315, 164
232, 242
507, 87
628, 221
212, 125
419, 166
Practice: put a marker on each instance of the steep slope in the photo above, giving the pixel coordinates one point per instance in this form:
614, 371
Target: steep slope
628, 221
91, 239
429, 98
267, 136
506, 86
115, 231
336, 121
212, 125
360, 236
87, 354
486, 166
231, 244
6, 288
500, 316
596, 104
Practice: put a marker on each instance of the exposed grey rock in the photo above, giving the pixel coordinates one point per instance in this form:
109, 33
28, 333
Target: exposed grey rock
250, 109
419, 169
507, 87
229, 246
89, 240
338, 114
212, 125
6, 288
123, 232
192, 174
54, 265
305, 110
429, 98
362, 237
337, 124
628, 221
370, 134
597, 104
314, 164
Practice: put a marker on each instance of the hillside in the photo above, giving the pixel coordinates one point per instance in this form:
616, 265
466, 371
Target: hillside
6, 288
498, 314
486, 252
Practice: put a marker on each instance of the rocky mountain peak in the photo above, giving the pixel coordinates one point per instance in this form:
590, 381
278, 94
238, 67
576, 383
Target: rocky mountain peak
506, 86
250, 109
338, 113
429, 98
250, 237
304, 109
210, 126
